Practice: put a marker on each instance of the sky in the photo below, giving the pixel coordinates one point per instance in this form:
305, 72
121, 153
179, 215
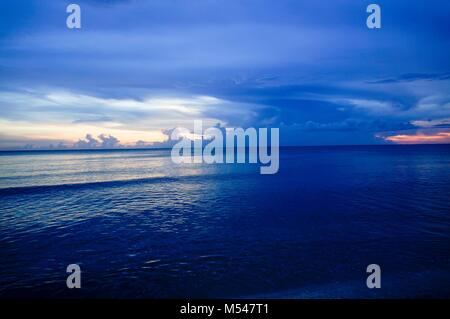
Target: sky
137, 69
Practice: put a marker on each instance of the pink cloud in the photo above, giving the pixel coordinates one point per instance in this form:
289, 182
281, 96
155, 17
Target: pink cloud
420, 138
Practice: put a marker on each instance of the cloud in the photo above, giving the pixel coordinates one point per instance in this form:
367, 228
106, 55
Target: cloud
353, 125
437, 105
46, 113
139, 67
108, 141
103, 141
433, 102
87, 142
368, 105
8, 141
161, 107
375, 107
420, 138
432, 123
411, 77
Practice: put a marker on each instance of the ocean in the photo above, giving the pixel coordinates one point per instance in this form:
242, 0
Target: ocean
140, 226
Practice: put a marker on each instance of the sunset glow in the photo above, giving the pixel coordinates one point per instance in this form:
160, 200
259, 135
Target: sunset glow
442, 137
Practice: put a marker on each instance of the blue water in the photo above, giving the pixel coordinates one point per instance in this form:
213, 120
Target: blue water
140, 226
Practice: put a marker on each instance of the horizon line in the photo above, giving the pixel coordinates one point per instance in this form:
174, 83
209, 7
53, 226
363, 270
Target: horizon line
169, 148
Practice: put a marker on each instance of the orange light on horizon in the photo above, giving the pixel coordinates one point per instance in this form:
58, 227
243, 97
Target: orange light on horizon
441, 137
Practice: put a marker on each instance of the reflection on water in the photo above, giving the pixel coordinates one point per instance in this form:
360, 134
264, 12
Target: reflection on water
140, 226
56, 168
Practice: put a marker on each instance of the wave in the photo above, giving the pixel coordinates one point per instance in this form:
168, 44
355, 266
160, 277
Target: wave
70, 186
33, 189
